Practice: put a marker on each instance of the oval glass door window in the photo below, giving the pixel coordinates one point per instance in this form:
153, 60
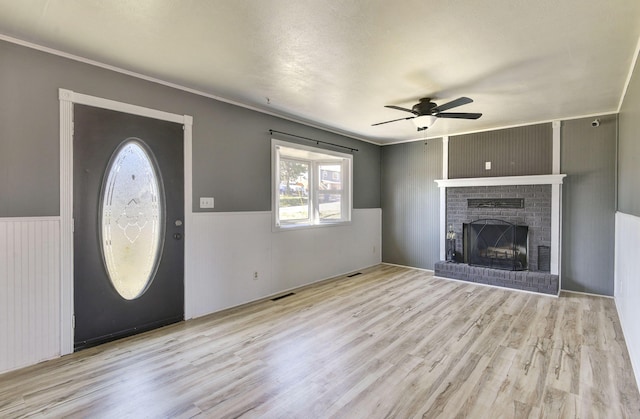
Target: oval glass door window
131, 218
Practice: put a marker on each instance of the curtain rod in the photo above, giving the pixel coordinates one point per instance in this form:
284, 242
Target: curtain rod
271, 131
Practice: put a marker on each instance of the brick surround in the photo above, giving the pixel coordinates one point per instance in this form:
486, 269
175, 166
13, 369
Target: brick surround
536, 214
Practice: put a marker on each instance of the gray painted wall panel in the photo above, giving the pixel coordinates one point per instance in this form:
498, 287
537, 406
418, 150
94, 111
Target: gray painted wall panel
629, 149
512, 152
588, 157
231, 147
29, 138
411, 203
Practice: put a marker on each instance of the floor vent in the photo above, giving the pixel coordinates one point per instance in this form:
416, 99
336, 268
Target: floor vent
280, 297
355, 274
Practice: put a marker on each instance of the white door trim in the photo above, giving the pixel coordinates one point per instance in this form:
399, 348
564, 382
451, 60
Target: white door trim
67, 99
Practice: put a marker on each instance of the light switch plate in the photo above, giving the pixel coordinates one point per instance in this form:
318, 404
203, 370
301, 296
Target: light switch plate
206, 202
487, 165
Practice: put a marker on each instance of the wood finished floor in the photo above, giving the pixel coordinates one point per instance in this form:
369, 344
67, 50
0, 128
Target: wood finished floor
392, 342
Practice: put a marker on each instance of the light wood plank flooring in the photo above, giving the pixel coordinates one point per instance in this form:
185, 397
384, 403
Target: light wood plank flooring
392, 342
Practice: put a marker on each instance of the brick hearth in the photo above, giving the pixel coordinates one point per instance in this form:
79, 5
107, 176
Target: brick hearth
542, 282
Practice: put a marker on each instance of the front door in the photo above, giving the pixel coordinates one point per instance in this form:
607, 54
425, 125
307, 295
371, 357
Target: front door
128, 210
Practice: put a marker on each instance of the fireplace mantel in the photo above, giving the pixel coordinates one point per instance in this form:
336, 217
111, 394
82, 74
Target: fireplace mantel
502, 181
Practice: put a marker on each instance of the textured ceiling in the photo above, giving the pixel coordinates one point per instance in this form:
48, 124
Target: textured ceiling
336, 63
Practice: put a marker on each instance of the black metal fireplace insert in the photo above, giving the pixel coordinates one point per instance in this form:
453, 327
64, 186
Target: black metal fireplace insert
496, 244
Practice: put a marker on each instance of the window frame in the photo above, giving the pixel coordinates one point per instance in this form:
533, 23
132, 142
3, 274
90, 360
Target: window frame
315, 157
310, 208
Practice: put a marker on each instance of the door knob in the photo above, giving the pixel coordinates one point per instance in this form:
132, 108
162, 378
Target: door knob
177, 236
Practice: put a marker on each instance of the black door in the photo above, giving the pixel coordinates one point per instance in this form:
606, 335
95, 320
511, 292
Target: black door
113, 154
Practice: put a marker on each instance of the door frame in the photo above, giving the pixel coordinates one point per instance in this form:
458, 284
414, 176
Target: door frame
67, 99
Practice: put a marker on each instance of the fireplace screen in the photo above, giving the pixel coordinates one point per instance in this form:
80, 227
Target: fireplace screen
497, 244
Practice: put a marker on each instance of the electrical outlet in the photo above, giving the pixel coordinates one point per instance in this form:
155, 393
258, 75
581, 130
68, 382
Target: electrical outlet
206, 202
487, 165
255, 275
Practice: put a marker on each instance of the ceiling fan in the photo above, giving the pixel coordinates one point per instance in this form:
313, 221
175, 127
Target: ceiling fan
425, 112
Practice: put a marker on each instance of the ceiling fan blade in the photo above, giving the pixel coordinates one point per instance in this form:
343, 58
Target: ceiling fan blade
400, 109
459, 115
457, 102
393, 120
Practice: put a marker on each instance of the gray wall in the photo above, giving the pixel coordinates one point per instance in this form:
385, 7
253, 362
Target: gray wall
629, 149
588, 157
512, 152
231, 147
411, 203
231, 161
410, 199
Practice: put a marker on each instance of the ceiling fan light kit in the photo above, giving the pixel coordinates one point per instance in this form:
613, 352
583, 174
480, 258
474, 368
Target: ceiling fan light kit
425, 112
423, 122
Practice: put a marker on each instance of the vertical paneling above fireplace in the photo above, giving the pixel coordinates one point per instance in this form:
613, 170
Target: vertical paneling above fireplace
519, 151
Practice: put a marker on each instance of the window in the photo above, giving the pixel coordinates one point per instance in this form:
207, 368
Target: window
311, 186
132, 219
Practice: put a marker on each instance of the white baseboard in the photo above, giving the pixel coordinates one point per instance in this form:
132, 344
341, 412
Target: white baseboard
586, 293
410, 267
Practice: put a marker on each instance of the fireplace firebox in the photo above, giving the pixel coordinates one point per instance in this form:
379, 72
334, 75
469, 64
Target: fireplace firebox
496, 244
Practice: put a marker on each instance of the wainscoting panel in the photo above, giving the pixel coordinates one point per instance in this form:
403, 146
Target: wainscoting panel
627, 284
235, 258
29, 291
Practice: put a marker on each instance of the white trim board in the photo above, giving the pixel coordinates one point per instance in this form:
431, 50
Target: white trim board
586, 293
431, 271
225, 213
443, 198
34, 218
67, 99
555, 179
556, 127
81, 99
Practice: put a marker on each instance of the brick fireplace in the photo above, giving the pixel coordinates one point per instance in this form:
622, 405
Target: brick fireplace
536, 210
535, 214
